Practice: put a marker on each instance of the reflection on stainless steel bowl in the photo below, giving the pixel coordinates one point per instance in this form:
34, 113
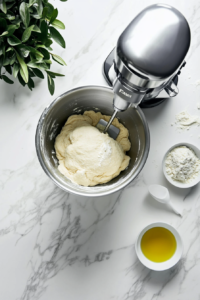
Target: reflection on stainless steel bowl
76, 101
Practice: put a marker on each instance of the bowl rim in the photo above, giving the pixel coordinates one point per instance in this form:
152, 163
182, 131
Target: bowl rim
166, 264
71, 190
177, 183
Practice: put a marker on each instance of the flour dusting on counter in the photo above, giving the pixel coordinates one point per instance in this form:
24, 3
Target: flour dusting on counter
184, 120
197, 82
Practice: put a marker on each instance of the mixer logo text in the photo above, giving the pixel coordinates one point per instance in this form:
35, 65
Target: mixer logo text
124, 93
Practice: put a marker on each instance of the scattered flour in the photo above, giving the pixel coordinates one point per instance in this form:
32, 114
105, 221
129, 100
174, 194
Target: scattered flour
198, 105
182, 164
184, 120
197, 82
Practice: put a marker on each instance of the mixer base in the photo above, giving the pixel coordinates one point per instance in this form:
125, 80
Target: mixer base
145, 103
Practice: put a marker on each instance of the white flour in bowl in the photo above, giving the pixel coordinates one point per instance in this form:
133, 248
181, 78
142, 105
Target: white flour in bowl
182, 164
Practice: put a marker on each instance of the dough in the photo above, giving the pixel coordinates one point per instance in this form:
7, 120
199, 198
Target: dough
87, 156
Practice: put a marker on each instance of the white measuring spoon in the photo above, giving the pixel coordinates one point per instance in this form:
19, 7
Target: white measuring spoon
161, 194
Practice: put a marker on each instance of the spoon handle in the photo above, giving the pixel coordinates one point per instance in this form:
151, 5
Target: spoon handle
174, 209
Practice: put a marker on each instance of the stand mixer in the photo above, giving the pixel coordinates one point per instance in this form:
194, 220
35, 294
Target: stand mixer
148, 58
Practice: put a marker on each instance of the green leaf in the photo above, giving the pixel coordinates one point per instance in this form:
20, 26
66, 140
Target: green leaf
38, 55
58, 24
11, 29
12, 59
17, 21
51, 85
10, 17
31, 2
39, 8
27, 33
15, 69
45, 53
3, 6
31, 84
3, 25
6, 79
36, 16
23, 68
38, 73
36, 29
58, 59
49, 48
4, 33
43, 66
23, 75
57, 37
1, 62
8, 69
2, 49
40, 46
10, 5
24, 13
44, 13
54, 74
21, 79
34, 61
48, 66
9, 49
31, 74
45, 2
48, 42
9, 60
13, 40
44, 31
54, 16
47, 61
23, 50
50, 10
37, 66
6, 61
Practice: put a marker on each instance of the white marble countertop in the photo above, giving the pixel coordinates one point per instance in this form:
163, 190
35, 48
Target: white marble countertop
56, 245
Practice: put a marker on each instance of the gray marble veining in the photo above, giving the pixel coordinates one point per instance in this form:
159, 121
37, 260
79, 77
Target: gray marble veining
56, 245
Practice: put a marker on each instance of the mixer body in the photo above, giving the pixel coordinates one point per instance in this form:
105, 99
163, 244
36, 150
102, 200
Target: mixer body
148, 57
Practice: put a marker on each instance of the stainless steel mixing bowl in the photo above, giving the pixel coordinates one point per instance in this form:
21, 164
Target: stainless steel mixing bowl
76, 101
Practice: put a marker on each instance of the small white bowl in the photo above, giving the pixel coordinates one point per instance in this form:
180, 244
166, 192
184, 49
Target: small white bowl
175, 182
166, 264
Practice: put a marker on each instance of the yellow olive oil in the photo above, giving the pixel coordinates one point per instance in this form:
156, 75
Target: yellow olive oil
158, 244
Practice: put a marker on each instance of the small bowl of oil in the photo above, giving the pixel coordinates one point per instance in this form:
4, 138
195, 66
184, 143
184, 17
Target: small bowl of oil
159, 246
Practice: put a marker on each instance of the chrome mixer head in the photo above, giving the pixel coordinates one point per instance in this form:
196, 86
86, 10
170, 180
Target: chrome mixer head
150, 52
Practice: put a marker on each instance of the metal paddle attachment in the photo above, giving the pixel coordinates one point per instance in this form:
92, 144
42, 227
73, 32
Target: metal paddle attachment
112, 130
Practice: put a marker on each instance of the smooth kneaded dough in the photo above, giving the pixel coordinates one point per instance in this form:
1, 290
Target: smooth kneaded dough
87, 156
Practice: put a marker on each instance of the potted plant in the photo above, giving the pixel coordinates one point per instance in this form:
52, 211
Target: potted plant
27, 31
